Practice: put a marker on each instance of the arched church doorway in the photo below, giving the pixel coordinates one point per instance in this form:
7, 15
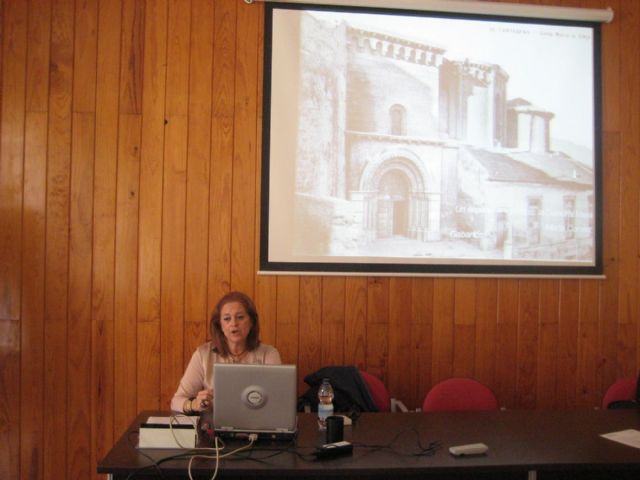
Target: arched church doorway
395, 198
393, 204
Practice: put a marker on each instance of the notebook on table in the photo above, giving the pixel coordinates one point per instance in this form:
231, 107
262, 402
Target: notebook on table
258, 399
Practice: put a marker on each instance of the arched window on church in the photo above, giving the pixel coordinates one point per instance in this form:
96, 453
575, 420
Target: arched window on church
398, 116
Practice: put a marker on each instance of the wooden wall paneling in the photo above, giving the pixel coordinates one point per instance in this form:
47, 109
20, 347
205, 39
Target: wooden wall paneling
39, 36
178, 36
104, 231
629, 195
260, 93
259, 118
486, 315
244, 150
12, 98
174, 199
634, 152
126, 271
80, 240
589, 365
547, 358
14, 55
198, 163
79, 311
84, 72
56, 434
10, 380
568, 343
611, 150
173, 245
609, 311
332, 329
154, 66
611, 59
528, 324
422, 338
266, 302
131, 65
402, 367
222, 138
378, 326
627, 349
443, 329
288, 306
355, 317
309, 327
33, 238
464, 327
1, 47
32, 395
178, 57
507, 342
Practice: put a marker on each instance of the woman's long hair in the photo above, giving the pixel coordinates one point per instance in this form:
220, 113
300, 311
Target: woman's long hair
219, 340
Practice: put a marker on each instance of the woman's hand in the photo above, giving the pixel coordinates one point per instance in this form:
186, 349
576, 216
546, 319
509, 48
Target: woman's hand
203, 401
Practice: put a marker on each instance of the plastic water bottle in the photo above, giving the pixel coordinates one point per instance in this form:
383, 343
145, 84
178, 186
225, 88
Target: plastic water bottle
325, 403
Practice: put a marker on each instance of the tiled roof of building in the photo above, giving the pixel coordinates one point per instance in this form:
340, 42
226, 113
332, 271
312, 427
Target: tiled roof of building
555, 168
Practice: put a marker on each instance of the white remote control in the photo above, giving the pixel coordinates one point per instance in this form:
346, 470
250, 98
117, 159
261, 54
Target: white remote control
471, 449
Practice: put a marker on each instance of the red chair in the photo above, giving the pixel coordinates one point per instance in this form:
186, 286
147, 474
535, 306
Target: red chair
620, 390
380, 394
456, 394
378, 391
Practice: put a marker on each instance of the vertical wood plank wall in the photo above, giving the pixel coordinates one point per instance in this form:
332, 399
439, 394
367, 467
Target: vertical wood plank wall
129, 202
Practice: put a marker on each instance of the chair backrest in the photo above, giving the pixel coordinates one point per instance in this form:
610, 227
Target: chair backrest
378, 391
621, 390
455, 394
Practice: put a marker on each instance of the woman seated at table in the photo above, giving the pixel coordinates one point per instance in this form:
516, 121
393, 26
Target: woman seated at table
236, 339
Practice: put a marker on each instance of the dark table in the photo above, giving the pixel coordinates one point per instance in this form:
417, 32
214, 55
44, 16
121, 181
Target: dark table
522, 444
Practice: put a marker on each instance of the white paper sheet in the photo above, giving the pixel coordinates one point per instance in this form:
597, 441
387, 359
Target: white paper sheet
629, 437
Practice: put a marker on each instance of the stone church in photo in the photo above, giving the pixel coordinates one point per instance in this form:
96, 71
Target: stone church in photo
400, 145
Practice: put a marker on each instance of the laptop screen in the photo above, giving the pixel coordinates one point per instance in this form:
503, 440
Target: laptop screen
254, 398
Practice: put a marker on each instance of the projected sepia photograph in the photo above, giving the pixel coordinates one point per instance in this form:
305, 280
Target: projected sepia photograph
412, 139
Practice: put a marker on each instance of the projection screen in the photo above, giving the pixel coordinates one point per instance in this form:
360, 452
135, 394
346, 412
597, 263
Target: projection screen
413, 142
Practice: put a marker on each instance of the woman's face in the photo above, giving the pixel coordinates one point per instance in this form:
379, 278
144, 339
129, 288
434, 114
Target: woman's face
235, 322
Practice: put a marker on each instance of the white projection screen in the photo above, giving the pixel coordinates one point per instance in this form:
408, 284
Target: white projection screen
425, 143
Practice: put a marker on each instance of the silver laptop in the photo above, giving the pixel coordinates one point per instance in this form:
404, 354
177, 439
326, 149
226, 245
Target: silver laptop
257, 399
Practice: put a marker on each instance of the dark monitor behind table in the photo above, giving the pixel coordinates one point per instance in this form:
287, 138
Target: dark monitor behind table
258, 399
